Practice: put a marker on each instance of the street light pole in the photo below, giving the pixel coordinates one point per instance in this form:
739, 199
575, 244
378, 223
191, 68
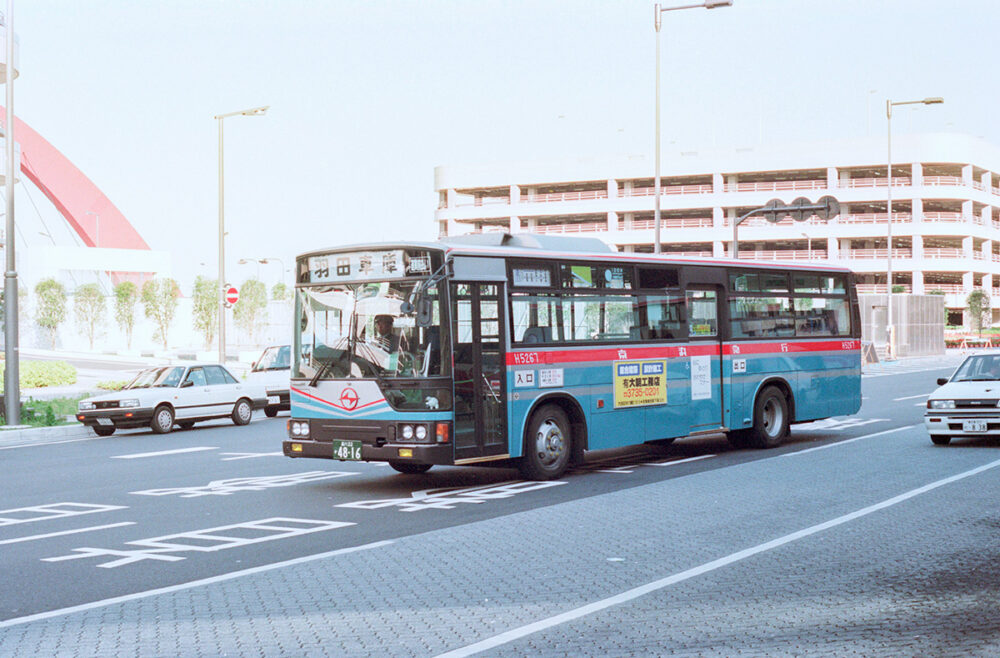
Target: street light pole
890, 328
256, 111
657, 22
12, 375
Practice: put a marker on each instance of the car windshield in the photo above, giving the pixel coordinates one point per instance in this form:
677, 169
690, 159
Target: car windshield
981, 368
275, 358
358, 330
157, 377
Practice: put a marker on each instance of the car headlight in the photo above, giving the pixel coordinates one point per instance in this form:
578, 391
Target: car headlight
940, 404
128, 404
87, 406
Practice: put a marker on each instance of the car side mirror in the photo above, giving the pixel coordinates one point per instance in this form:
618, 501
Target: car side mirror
186, 383
942, 381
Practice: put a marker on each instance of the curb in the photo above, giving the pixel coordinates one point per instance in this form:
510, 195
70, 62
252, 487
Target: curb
75, 431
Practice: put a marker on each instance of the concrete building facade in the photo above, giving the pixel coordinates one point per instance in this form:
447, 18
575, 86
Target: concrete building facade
945, 207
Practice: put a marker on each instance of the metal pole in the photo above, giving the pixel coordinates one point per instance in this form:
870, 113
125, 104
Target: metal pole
656, 199
888, 297
222, 256
12, 382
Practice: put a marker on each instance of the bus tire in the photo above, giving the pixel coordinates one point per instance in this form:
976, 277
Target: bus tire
548, 444
770, 419
409, 468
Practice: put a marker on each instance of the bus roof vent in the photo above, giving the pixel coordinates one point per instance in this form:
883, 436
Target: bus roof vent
531, 241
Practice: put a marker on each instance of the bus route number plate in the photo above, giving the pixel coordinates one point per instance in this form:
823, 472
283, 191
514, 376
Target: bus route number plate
346, 450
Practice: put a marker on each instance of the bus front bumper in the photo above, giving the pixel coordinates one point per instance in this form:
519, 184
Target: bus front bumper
418, 454
377, 441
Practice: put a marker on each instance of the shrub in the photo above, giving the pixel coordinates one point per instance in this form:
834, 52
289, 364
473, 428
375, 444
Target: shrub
114, 385
45, 413
37, 374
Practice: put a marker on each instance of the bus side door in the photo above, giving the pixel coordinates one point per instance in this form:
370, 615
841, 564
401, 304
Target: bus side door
480, 366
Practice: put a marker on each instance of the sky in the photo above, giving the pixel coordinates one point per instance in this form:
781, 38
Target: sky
367, 97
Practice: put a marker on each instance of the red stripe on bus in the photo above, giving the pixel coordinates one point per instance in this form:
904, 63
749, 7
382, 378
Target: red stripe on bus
533, 358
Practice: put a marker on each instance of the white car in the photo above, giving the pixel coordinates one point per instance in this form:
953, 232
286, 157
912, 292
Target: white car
272, 370
967, 404
164, 396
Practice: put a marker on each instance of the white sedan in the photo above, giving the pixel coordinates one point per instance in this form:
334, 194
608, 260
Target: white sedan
967, 404
164, 396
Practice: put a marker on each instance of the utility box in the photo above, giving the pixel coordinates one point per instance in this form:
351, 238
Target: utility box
918, 322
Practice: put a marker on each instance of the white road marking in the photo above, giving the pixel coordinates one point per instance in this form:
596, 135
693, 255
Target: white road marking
234, 485
93, 605
32, 444
66, 532
678, 461
141, 455
249, 455
642, 590
208, 540
911, 397
449, 497
857, 438
51, 511
834, 424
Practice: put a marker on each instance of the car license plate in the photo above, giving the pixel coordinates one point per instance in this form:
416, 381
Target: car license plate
346, 450
105, 421
273, 399
973, 425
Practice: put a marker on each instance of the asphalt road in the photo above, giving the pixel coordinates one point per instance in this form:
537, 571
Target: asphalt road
858, 535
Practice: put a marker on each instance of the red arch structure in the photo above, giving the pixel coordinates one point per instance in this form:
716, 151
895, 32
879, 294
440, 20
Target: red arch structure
87, 210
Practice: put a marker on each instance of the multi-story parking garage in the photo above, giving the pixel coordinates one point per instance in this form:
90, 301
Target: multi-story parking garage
945, 207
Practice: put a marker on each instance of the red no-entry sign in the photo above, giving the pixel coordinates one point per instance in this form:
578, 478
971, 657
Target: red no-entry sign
232, 295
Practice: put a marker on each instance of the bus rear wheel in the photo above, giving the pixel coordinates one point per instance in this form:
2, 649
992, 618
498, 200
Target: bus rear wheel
410, 468
770, 419
547, 445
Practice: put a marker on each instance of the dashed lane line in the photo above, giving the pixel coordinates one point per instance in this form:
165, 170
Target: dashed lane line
656, 585
857, 438
66, 532
142, 455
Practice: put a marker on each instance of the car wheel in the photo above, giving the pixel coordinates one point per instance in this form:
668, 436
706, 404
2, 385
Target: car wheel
410, 468
242, 412
770, 419
104, 431
163, 419
186, 425
940, 440
547, 445
270, 412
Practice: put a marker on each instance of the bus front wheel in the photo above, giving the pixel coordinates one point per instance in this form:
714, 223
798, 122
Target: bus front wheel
770, 419
547, 445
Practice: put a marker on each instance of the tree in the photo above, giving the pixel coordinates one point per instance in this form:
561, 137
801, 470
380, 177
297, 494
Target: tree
159, 298
250, 312
205, 307
126, 298
90, 309
279, 292
50, 307
980, 311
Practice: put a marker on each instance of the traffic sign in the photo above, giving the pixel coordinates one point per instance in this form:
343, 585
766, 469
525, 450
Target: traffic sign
796, 209
774, 210
232, 295
832, 207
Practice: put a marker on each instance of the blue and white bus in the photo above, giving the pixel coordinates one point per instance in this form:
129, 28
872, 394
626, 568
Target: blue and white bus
534, 349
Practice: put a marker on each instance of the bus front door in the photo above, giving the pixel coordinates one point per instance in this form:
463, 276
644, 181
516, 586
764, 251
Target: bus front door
480, 404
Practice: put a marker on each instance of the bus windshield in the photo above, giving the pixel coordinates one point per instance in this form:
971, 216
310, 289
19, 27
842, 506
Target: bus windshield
357, 331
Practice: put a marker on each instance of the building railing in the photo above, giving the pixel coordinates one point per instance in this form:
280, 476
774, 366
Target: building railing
668, 222
864, 254
783, 254
875, 218
777, 186
687, 254
588, 227
553, 197
944, 180
897, 181
946, 252
703, 188
880, 288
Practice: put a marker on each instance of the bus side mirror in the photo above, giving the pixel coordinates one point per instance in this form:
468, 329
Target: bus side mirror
425, 312
406, 307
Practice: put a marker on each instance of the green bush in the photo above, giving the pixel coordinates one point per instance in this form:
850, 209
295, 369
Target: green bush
36, 374
46, 413
114, 385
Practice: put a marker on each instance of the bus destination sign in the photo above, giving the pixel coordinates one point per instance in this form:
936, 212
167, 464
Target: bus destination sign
367, 265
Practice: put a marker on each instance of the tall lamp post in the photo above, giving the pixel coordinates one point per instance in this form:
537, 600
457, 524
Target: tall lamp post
657, 21
890, 329
256, 111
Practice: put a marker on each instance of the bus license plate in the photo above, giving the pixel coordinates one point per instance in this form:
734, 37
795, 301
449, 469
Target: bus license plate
973, 425
346, 450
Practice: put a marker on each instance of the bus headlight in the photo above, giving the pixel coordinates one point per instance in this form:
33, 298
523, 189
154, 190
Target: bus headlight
406, 431
420, 432
298, 429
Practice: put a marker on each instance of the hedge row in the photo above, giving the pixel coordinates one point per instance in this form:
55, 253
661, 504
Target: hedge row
37, 374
